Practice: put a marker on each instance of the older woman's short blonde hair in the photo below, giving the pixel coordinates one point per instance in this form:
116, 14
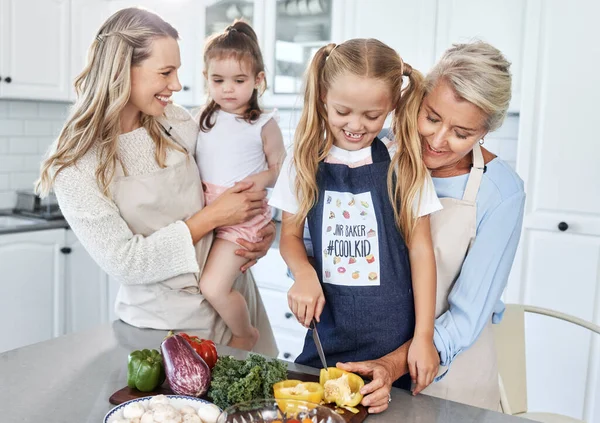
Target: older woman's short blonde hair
479, 73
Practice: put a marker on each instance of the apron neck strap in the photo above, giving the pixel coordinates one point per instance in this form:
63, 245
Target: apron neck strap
379, 152
475, 176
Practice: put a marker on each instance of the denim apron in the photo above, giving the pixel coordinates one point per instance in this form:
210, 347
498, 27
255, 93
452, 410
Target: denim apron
362, 262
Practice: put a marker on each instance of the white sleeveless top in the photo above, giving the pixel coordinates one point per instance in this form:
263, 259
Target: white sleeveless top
232, 149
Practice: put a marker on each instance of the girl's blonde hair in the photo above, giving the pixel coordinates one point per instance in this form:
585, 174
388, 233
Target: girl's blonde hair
237, 41
103, 89
479, 73
366, 58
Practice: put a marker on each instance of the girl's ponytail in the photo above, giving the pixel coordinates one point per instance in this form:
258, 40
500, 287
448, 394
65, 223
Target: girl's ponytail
407, 172
312, 139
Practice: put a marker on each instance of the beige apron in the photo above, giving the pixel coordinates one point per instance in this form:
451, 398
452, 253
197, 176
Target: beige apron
150, 202
473, 375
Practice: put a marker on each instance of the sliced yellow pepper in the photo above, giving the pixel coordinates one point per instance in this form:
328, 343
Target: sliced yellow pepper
341, 387
298, 390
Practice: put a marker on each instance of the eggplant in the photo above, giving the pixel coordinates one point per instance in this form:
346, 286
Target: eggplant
187, 373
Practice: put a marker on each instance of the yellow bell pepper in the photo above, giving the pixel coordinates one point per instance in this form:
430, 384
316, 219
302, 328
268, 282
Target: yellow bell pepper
341, 387
298, 390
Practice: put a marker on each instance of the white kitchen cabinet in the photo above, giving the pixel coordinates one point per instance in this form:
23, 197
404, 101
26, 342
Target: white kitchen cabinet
558, 263
34, 49
270, 274
32, 287
500, 23
86, 286
421, 31
406, 26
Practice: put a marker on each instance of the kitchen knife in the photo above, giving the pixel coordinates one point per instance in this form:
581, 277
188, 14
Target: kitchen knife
317, 340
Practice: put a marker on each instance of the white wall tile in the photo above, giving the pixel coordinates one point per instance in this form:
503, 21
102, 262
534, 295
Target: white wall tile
11, 127
4, 145
23, 145
3, 109
11, 163
22, 180
27, 128
44, 143
8, 199
54, 110
22, 109
32, 163
4, 181
38, 127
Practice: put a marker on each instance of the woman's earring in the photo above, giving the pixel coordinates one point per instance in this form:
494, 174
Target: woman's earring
481, 141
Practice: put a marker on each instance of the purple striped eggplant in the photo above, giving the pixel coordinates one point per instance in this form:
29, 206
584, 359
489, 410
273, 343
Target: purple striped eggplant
187, 373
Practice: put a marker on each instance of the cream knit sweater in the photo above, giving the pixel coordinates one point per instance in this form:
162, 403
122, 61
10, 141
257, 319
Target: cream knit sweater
97, 223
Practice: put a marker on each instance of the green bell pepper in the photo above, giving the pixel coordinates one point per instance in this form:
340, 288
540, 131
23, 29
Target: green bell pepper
145, 370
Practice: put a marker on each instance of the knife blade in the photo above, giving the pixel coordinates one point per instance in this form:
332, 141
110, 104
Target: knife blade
318, 344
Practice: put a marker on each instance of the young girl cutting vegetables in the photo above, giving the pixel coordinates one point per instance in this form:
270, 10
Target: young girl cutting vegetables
374, 262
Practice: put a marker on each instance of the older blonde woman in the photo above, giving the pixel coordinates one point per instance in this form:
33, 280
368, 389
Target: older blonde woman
124, 173
475, 235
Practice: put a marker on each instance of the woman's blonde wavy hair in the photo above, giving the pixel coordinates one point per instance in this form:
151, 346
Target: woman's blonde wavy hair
103, 89
367, 58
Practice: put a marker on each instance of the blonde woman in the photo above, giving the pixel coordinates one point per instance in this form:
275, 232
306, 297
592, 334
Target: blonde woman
475, 235
125, 176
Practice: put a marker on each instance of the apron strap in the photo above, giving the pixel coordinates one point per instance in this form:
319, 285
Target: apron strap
379, 152
475, 176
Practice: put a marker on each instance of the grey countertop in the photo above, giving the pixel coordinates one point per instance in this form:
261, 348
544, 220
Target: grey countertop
70, 378
39, 225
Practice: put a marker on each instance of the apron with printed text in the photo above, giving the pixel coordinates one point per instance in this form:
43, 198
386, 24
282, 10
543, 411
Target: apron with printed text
473, 375
151, 202
362, 263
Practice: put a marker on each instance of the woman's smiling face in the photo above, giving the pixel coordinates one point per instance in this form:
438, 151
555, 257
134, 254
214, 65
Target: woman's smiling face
449, 127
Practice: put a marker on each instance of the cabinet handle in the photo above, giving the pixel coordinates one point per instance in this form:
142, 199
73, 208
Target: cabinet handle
562, 226
8, 79
287, 355
66, 250
186, 88
288, 315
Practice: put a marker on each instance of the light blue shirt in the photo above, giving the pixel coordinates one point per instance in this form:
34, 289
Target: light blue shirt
476, 294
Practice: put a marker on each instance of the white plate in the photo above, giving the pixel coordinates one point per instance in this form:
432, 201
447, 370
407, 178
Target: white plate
177, 401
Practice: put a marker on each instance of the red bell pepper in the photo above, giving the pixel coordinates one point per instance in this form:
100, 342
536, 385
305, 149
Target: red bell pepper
204, 347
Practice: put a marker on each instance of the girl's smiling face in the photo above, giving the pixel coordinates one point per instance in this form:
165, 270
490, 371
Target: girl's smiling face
356, 110
449, 127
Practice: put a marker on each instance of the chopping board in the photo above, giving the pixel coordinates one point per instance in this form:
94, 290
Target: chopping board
126, 394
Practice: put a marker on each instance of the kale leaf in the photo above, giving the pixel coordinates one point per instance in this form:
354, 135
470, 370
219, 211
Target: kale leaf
234, 381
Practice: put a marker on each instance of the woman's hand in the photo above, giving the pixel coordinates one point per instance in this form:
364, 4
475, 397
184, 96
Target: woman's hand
255, 250
377, 392
423, 362
305, 297
237, 205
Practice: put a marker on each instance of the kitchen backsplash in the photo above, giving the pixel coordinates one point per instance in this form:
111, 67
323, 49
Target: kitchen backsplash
27, 128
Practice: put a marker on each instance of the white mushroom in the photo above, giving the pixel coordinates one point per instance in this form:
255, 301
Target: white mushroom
208, 413
133, 410
122, 421
191, 418
148, 417
158, 399
186, 409
163, 413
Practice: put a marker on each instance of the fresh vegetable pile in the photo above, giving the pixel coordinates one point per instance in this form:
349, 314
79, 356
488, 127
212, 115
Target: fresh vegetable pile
235, 381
